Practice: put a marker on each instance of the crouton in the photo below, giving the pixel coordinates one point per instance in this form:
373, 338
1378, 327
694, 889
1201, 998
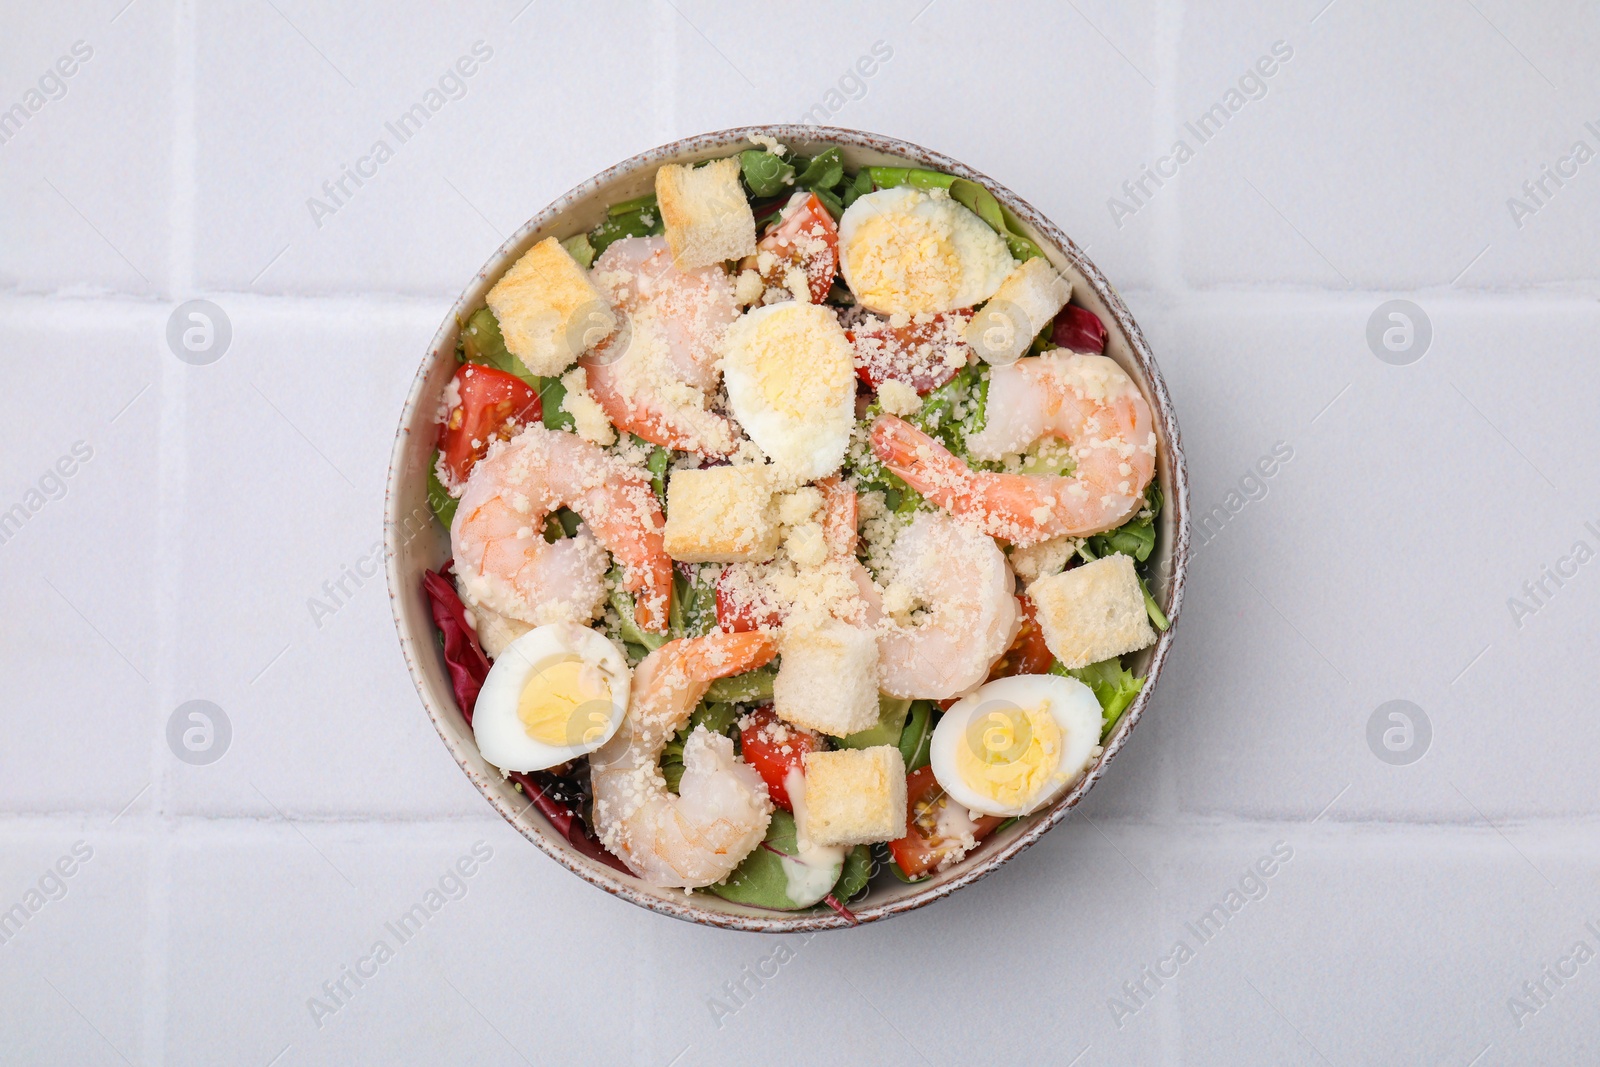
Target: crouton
1092, 612
721, 515
706, 215
828, 678
1028, 298
548, 309
855, 796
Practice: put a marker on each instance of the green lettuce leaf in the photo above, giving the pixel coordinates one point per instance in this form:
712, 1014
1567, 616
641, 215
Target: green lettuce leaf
857, 873
771, 876
822, 172
1113, 686
765, 174
693, 612
640, 217
628, 630
752, 687
890, 725
551, 394
580, 249
482, 343
917, 734
1137, 536
442, 503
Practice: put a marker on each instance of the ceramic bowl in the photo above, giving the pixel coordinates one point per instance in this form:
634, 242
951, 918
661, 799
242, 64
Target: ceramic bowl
415, 543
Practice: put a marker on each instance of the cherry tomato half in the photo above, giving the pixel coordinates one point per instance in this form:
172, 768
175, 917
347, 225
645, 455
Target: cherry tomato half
924, 847
737, 617
774, 747
918, 354
489, 404
806, 236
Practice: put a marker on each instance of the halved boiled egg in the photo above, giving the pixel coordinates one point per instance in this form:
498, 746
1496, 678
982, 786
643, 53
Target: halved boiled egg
556, 693
905, 250
1015, 744
791, 380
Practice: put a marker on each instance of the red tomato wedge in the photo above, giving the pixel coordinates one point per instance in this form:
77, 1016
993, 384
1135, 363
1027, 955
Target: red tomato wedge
807, 236
774, 747
488, 404
737, 617
921, 355
924, 847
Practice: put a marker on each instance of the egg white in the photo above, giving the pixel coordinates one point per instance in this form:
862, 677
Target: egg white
501, 737
805, 341
1069, 702
982, 259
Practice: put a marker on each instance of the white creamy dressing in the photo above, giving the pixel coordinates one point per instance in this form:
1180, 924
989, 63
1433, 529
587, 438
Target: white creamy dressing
955, 824
814, 869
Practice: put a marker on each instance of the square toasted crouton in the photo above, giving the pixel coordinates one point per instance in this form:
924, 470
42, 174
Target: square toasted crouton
855, 796
548, 309
828, 678
706, 216
1027, 299
1092, 612
721, 515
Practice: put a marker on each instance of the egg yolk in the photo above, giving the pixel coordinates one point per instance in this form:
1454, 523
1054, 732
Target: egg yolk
1011, 754
904, 263
565, 702
799, 367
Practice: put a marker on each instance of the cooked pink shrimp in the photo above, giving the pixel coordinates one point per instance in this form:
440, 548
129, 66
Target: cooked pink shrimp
653, 376
840, 517
721, 810
498, 534
969, 615
1087, 400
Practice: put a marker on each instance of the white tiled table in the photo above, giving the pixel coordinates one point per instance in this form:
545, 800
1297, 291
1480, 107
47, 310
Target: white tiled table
177, 561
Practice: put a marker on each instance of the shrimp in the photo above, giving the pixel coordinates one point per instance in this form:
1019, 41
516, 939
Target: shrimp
652, 377
495, 631
497, 536
1087, 400
969, 616
840, 517
721, 811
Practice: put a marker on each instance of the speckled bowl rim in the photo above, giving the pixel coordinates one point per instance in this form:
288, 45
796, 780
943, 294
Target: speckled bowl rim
425, 660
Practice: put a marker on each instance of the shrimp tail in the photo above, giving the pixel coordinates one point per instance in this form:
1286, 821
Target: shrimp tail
720, 655
921, 461
840, 516
938, 474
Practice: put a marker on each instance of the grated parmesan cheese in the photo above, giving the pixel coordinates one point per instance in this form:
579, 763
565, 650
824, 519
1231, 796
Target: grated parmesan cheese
588, 418
899, 398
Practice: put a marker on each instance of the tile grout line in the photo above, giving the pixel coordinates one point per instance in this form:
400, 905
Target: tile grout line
1164, 114
173, 487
